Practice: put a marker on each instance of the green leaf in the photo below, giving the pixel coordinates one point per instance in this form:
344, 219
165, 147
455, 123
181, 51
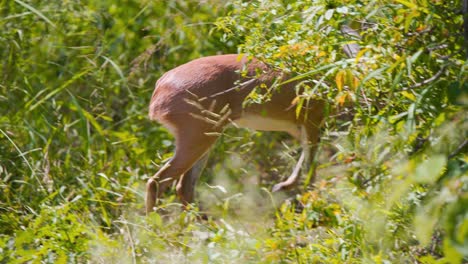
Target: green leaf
409, 95
431, 169
457, 93
155, 219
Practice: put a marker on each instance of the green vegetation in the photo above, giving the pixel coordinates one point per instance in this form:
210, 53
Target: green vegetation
76, 146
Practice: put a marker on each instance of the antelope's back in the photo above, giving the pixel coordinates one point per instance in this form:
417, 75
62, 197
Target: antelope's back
206, 81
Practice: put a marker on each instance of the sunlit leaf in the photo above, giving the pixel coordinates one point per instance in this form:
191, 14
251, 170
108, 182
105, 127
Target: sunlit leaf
340, 79
409, 95
431, 169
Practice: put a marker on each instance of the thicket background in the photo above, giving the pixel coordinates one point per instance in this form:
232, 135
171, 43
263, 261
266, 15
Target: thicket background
76, 146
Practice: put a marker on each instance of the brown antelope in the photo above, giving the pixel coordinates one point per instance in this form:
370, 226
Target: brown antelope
195, 101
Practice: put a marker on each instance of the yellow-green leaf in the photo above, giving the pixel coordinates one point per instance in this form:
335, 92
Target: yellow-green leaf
339, 79
409, 95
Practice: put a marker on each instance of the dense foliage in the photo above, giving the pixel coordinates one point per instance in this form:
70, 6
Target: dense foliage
76, 146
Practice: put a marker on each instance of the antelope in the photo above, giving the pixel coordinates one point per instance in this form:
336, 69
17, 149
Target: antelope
196, 100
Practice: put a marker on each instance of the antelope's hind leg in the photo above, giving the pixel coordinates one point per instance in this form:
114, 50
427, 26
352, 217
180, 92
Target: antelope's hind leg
190, 147
186, 185
293, 178
309, 140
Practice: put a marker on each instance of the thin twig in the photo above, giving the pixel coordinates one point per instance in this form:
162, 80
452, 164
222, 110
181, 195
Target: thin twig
427, 81
459, 149
132, 244
240, 86
441, 46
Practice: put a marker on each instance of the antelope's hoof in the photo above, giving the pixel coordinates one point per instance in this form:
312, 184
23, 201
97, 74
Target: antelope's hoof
277, 187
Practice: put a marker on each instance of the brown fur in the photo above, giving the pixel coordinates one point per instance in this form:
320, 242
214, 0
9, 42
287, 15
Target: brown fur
196, 100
